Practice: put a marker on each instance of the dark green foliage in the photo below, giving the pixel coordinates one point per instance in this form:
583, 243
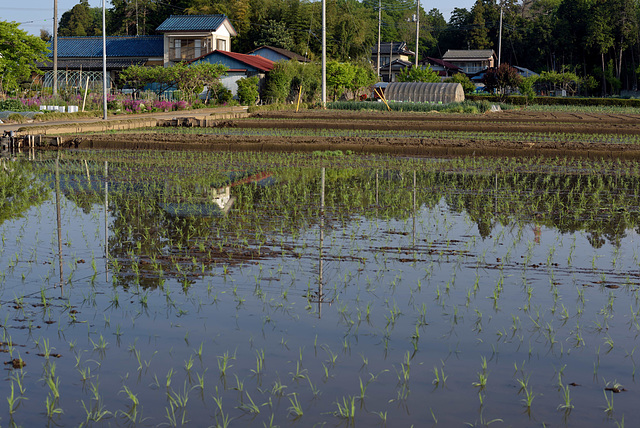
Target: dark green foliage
81, 20
418, 74
597, 39
276, 34
286, 79
467, 85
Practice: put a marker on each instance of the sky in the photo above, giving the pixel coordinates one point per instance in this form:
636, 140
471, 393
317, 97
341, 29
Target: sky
38, 14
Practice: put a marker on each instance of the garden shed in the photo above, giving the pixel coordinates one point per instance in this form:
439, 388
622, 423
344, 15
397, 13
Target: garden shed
422, 92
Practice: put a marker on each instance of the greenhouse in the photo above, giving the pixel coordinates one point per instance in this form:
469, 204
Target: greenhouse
425, 92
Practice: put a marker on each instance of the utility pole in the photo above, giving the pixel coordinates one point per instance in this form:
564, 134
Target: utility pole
324, 53
500, 39
379, 26
417, 29
390, 59
137, 32
104, 60
55, 47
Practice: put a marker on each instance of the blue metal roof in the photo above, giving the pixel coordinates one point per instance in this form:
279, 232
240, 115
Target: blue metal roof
192, 23
117, 46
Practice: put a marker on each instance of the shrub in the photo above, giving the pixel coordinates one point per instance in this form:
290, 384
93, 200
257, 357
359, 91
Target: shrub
418, 74
467, 85
11, 105
223, 96
248, 90
285, 80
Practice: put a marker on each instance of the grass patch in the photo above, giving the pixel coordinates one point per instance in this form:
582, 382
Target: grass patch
467, 107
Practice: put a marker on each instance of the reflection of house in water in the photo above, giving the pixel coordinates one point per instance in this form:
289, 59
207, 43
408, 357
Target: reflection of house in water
210, 201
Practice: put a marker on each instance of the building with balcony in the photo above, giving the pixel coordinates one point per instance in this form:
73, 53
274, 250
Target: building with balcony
390, 52
471, 61
187, 37
181, 38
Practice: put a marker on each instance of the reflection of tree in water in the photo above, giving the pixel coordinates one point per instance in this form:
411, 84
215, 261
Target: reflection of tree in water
169, 225
20, 189
600, 205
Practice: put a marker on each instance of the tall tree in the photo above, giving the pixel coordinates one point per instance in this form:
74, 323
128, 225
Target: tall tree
455, 36
600, 35
275, 34
478, 35
79, 21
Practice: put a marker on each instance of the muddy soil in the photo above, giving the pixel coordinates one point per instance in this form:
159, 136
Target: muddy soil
520, 121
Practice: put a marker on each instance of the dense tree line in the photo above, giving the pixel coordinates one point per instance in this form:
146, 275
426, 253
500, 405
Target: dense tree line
597, 38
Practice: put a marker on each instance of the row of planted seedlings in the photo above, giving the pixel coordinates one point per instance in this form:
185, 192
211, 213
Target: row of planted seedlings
393, 294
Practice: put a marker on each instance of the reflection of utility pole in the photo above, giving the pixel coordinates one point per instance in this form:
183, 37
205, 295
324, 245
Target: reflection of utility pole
319, 297
55, 48
377, 187
104, 61
414, 209
59, 218
106, 229
495, 196
320, 266
324, 54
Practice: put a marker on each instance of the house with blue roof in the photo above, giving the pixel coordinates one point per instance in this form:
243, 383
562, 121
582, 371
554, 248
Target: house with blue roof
187, 37
85, 53
181, 38
277, 54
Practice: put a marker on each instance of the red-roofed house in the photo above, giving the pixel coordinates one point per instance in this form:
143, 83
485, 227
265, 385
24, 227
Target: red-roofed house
442, 67
240, 65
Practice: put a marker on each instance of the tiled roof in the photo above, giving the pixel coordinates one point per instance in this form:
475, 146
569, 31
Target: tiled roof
472, 54
192, 23
396, 64
90, 64
525, 71
124, 46
283, 52
399, 48
258, 62
442, 63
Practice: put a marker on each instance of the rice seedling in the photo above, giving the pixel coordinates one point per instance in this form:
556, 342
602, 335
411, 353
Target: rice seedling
346, 409
295, 409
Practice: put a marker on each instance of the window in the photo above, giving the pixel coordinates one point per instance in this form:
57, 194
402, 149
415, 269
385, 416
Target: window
197, 50
221, 45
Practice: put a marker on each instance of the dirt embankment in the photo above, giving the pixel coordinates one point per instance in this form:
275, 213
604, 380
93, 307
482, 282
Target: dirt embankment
525, 125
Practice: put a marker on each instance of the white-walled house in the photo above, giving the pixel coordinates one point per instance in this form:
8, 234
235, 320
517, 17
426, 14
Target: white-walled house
187, 37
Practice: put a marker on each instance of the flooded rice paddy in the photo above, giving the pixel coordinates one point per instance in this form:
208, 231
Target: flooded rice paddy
255, 289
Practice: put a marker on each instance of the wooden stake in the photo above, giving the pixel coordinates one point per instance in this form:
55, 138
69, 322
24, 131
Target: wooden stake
299, 96
86, 88
381, 95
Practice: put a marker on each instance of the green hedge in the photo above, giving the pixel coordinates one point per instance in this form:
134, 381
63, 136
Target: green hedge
560, 101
